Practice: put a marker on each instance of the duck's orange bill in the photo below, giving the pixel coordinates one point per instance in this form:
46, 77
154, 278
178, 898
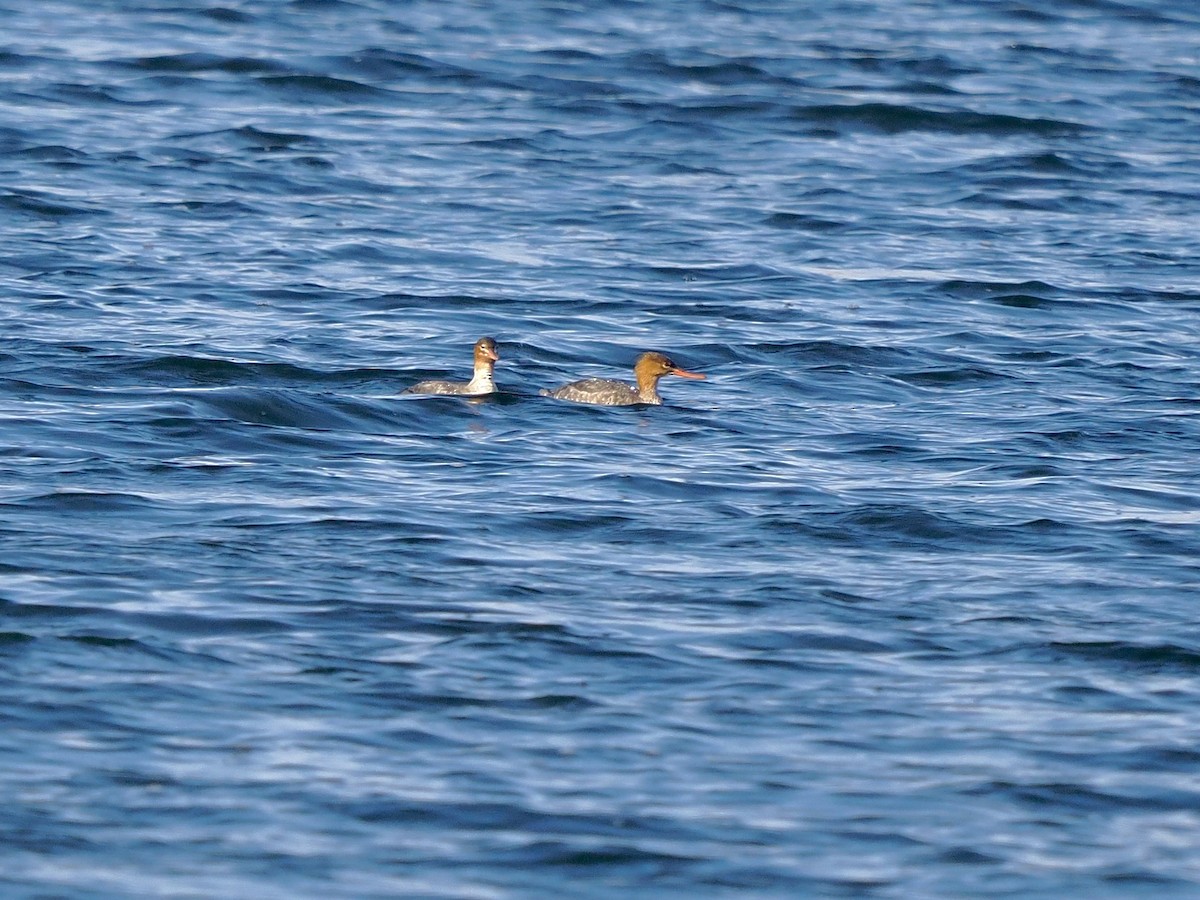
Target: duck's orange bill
685, 374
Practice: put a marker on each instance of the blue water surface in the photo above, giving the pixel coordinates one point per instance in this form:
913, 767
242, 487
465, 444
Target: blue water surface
900, 602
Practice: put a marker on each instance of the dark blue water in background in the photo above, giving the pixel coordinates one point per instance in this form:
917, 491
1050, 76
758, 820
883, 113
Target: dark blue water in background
901, 602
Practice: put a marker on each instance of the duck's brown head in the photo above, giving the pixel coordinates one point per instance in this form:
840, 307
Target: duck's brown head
652, 366
485, 351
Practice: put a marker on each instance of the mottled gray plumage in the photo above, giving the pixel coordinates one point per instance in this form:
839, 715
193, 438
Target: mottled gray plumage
465, 388
602, 391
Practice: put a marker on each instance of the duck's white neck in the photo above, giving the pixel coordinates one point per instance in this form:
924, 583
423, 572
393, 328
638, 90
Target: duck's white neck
482, 382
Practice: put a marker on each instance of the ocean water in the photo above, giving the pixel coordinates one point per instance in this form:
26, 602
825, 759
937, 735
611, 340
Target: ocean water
900, 602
